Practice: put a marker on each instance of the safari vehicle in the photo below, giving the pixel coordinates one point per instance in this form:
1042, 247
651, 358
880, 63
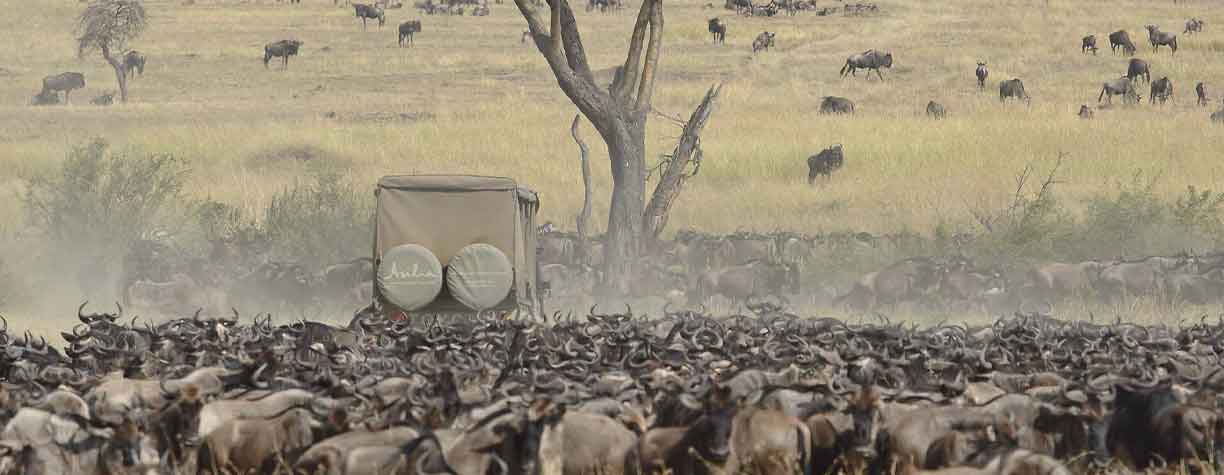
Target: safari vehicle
447, 244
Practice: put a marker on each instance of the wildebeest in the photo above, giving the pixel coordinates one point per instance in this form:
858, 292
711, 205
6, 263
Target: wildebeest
935, 110
1218, 116
1161, 89
982, 73
754, 279
1088, 43
869, 60
836, 105
1119, 87
67, 82
1121, 39
406, 30
1138, 67
718, 30
133, 61
763, 41
364, 12
1200, 90
825, 162
1161, 38
1194, 25
1085, 112
1012, 88
1149, 426
282, 49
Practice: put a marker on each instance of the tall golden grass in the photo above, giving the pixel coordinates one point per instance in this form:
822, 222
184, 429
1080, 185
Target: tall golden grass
470, 98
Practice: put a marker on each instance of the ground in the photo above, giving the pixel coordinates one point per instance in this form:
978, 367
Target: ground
471, 98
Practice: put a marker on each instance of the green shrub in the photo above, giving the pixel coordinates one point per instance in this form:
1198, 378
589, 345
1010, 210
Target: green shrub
319, 223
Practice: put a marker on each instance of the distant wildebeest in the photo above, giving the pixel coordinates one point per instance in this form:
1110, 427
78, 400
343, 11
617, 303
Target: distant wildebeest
982, 73
718, 30
133, 61
1119, 87
1138, 68
1218, 116
282, 49
65, 82
825, 162
406, 30
1012, 88
480, 10
836, 105
364, 12
1088, 44
1161, 89
869, 60
1194, 25
1200, 90
105, 99
1085, 112
1161, 38
1121, 39
935, 110
763, 41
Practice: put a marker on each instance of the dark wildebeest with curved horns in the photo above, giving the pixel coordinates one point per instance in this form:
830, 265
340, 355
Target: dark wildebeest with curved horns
65, 82
936, 110
1200, 90
1085, 112
1194, 25
1138, 67
1161, 38
982, 73
371, 12
869, 60
825, 162
281, 49
1013, 88
406, 30
1121, 39
1088, 43
1161, 89
1119, 87
718, 30
836, 105
133, 61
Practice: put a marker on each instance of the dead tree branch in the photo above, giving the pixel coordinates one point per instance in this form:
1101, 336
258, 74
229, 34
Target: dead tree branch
671, 181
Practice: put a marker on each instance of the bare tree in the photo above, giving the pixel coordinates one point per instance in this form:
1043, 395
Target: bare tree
676, 167
108, 26
618, 113
584, 216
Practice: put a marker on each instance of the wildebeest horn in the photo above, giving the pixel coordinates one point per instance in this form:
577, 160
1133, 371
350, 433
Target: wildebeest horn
196, 315
80, 311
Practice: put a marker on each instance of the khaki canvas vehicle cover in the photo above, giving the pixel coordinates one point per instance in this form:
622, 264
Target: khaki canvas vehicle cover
446, 213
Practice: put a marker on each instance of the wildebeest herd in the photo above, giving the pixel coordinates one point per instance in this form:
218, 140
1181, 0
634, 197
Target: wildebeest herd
611, 393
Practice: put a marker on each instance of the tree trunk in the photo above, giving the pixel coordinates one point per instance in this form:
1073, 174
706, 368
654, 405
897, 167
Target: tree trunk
119, 76
627, 157
671, 181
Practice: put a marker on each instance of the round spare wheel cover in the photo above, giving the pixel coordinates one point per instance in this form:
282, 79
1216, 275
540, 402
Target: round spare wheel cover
479, 276
409, 276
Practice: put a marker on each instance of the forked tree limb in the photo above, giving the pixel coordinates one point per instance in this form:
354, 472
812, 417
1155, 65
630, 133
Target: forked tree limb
671, 181
584, 216
646, 89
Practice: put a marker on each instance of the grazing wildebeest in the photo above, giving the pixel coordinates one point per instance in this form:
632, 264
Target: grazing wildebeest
1119, 87
1161, 89
1088, 44
1217, 116
825, 162
836, 105
870, 60
1161, 38
1138, 67
763, 41
1121, 38
62, 82
982, 73
935, 110
1012, 88
1150, 427
282, 49
1194, 25
1085, 112
133, 61
1200, 90
406, 30
364, 12
718, 30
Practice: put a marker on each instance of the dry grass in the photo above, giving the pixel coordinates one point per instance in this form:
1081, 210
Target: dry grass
471, 99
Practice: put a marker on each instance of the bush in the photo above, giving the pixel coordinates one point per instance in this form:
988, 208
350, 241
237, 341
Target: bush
320, 223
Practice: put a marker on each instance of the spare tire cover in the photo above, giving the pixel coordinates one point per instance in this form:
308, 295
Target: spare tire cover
409, 276
479, 276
